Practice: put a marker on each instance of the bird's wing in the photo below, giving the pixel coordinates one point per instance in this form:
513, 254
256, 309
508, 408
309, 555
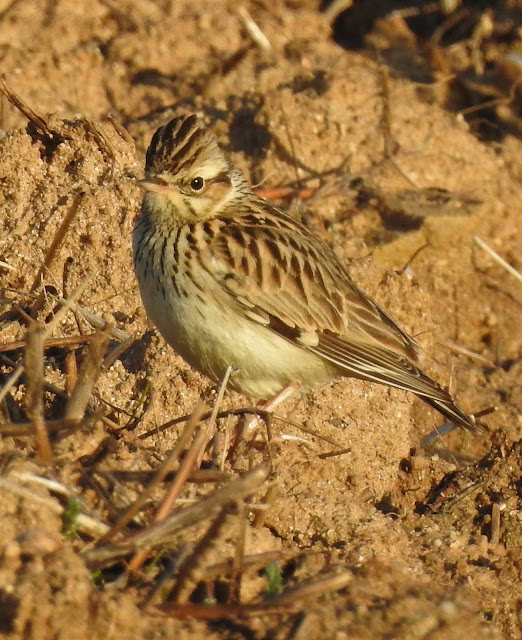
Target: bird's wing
285, 278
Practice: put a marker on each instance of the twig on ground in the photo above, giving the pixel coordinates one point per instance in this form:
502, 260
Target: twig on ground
160, 474
159, 533
58, 239
471, 354
335, 8
287, 602
94, 320
498, 259
495, 524
190, 569
255, 32
192, 459
87, 377
68, 341
25, 109
34, 400
85, 523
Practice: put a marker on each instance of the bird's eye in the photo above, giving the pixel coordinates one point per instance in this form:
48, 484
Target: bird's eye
196, 184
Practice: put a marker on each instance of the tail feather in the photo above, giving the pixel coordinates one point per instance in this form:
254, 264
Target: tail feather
372, 362
453, 412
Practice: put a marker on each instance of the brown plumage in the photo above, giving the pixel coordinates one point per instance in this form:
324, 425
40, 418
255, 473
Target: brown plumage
230, 279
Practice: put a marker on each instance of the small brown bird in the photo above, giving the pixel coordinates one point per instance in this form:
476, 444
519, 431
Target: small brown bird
229, 279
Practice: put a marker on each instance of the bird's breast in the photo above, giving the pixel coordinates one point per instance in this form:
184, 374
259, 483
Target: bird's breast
205, 326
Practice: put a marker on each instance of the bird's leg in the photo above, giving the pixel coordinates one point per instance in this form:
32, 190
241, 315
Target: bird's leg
268, 406
248, 427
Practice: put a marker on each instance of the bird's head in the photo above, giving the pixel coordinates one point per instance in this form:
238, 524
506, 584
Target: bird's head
188, 179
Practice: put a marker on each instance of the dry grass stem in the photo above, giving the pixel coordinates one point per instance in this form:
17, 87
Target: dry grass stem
290, 438
254, 31
160, 474
248, 411
159, 533
68, 341
190, 570
85, 523
225, 444
471, 354
5, 265
286, 603
11, 381
460, 496
42, 481
308, 430
117, 352
335, 8
100, 137
333, 454
189, 461
267, 500
89, 372
95, 321
214, 414
120, 130
183, 473
495, 524
197, 476
34, 399
58, 239
498, 259
71, 373
389, 143
253, 561
20, 429
67, 305
316, 588
25, 109
238, 564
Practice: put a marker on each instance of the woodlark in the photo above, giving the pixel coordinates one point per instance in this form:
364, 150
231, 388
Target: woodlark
229, 279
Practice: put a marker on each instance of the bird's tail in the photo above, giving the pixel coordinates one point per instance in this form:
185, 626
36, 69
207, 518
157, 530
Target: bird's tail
376, 364
452, 411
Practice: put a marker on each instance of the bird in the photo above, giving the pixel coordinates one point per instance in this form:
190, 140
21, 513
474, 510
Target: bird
230, 280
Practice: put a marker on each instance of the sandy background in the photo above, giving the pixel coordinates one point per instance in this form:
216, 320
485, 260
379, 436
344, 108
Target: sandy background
309, 114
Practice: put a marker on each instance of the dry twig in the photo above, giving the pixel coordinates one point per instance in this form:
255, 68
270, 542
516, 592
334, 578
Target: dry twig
498, 259
58, 239
288, 602
85, 523
89, 372
34, 366
159, 476
25, 109
159, 533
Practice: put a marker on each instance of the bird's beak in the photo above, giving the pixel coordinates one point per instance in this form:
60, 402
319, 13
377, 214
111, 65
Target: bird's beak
156, 185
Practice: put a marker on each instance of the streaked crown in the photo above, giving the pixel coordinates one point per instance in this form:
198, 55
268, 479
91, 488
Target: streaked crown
188, 178
182, 143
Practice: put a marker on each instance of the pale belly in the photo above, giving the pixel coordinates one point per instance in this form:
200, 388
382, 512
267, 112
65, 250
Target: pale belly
211, 338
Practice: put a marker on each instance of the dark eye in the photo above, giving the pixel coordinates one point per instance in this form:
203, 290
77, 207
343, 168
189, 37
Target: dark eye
196, 184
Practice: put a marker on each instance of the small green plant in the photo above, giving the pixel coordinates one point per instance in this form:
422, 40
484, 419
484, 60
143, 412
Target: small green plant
97, 577
274, 579
70, 517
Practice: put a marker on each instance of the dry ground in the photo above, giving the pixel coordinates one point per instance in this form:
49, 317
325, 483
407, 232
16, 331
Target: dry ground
413, 563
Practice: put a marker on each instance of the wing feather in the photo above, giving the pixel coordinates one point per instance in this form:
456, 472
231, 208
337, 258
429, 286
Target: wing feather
272, 263
289, 280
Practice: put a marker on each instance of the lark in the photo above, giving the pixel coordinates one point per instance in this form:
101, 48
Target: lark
231, 280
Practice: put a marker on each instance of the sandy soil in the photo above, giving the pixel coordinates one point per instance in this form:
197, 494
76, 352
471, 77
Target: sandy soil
309, 115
